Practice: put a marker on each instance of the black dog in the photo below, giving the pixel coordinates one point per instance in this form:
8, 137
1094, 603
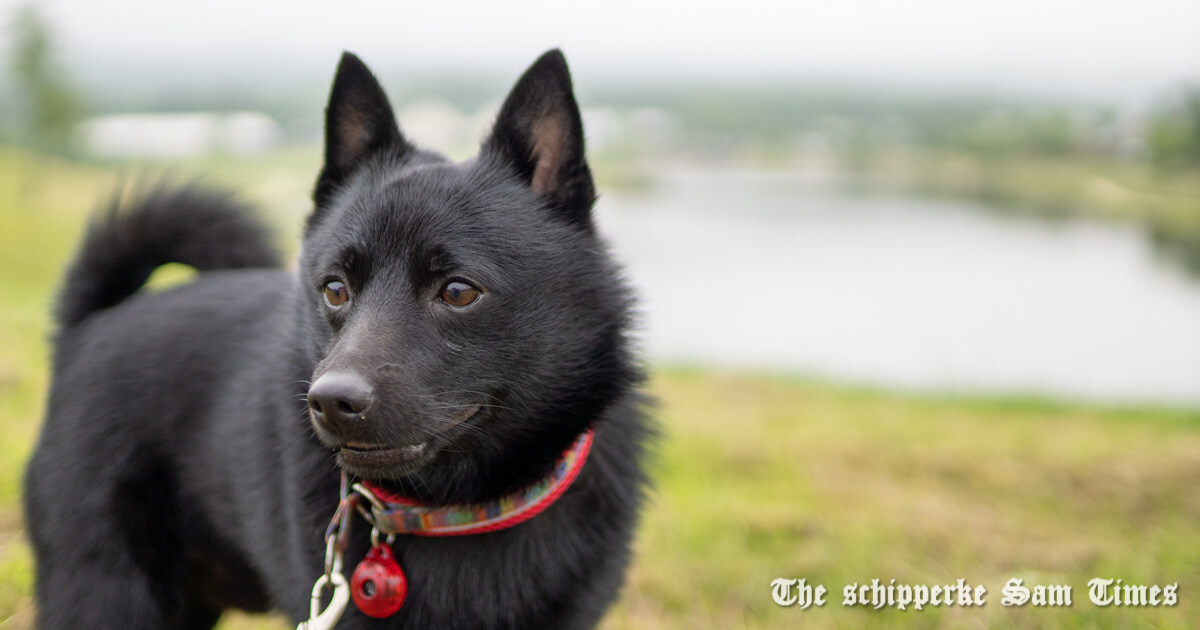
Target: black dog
461, 326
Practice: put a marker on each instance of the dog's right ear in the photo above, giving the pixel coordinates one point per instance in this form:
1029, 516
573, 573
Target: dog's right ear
358, 122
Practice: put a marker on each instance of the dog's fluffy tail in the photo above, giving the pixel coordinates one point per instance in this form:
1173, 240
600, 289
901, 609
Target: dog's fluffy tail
204, 228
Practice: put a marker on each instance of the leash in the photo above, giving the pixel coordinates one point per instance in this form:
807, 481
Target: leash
378, 586
336, 536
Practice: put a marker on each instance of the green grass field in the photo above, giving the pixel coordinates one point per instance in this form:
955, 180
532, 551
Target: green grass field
758, 476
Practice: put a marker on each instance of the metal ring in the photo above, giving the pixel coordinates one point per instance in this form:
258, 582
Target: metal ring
366, 514
370, 496
333, 558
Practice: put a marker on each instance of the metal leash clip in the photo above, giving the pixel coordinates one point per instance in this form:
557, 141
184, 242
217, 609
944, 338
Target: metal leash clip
325, 619
335, 542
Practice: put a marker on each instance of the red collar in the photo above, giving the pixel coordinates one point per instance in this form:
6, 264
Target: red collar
395, 514
378, 585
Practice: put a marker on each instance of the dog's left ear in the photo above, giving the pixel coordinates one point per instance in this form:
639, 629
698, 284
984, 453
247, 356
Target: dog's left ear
540, 134
358, 122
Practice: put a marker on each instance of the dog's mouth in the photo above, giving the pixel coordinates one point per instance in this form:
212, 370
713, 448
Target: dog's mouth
389, 461
374, 459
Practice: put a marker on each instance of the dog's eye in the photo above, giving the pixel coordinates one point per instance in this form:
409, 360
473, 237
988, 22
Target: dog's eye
336, 294
459, 293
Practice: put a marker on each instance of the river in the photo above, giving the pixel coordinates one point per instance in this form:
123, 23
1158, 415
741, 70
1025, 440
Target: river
772, 271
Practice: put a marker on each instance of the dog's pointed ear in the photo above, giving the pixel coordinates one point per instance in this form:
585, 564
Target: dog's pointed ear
539, 133
358, 122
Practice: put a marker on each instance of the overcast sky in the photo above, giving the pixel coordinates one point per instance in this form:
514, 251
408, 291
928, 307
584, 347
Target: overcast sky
1116, 50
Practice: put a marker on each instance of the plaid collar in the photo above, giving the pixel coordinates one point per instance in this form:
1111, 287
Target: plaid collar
395, 514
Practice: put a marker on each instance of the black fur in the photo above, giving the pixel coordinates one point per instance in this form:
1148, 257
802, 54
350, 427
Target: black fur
206, 229
181, 470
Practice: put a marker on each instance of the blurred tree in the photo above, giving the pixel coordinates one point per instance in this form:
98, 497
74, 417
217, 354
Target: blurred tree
1173, 136
51, 108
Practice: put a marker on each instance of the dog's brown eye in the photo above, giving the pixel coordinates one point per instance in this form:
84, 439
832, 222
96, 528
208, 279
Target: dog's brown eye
458, 293
336, 294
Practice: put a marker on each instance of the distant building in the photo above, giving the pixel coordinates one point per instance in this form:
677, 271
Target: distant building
178, 135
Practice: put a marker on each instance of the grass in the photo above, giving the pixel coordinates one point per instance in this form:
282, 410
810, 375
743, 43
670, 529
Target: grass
763, 477
758, 476
1050, 185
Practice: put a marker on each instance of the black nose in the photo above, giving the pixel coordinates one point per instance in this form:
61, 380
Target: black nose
339, 399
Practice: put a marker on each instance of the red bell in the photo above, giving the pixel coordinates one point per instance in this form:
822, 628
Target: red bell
378, 586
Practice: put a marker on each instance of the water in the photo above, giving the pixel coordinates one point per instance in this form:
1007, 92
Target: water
770, 272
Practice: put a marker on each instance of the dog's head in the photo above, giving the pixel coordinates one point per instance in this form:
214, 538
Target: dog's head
466, 321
